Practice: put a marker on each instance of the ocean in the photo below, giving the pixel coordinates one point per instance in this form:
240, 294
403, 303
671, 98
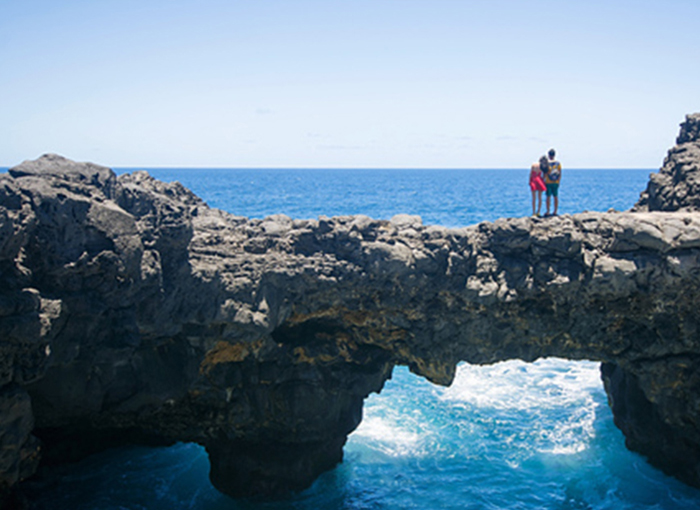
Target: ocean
513, 435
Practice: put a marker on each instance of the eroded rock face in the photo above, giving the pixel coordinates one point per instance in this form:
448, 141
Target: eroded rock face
676, 187
132, 312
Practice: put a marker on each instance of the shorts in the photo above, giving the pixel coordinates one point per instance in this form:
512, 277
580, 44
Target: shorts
553, 189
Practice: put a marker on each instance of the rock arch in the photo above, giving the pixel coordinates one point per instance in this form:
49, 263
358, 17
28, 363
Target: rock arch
132, 312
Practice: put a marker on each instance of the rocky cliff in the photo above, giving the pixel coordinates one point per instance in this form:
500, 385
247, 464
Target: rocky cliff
132, 312
676, 187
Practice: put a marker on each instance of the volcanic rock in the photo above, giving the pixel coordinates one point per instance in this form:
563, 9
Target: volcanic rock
676, 187
131, 312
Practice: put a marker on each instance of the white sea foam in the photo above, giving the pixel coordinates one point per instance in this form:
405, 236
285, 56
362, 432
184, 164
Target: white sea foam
551, 401
388, 437
548, 406
549, 383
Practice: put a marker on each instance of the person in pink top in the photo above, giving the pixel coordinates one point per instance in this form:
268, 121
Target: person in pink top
537, 186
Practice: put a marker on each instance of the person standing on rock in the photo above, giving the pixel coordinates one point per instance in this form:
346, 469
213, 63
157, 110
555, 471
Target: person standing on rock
551, 180
537, 185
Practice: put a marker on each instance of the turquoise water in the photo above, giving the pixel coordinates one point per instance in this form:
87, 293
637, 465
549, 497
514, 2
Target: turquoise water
509, 436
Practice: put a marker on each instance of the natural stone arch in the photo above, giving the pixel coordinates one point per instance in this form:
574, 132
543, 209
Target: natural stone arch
132, 311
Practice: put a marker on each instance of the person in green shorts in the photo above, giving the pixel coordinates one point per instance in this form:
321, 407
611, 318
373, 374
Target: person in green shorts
551, 181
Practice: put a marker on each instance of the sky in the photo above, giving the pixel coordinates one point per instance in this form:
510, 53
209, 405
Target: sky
347, 83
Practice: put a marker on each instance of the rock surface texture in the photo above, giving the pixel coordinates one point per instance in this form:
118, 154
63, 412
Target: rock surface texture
132, 312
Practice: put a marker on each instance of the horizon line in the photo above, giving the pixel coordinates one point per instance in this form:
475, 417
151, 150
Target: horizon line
219, 167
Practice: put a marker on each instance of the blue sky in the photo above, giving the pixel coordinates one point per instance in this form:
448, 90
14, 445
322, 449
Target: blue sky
351, 83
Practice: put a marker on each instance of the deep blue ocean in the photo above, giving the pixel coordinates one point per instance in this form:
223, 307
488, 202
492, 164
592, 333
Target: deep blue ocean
513, 435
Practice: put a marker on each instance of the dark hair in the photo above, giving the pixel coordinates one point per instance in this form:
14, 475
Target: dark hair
544, 164
551, 153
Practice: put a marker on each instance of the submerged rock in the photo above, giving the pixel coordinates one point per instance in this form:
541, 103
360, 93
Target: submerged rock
132, 312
